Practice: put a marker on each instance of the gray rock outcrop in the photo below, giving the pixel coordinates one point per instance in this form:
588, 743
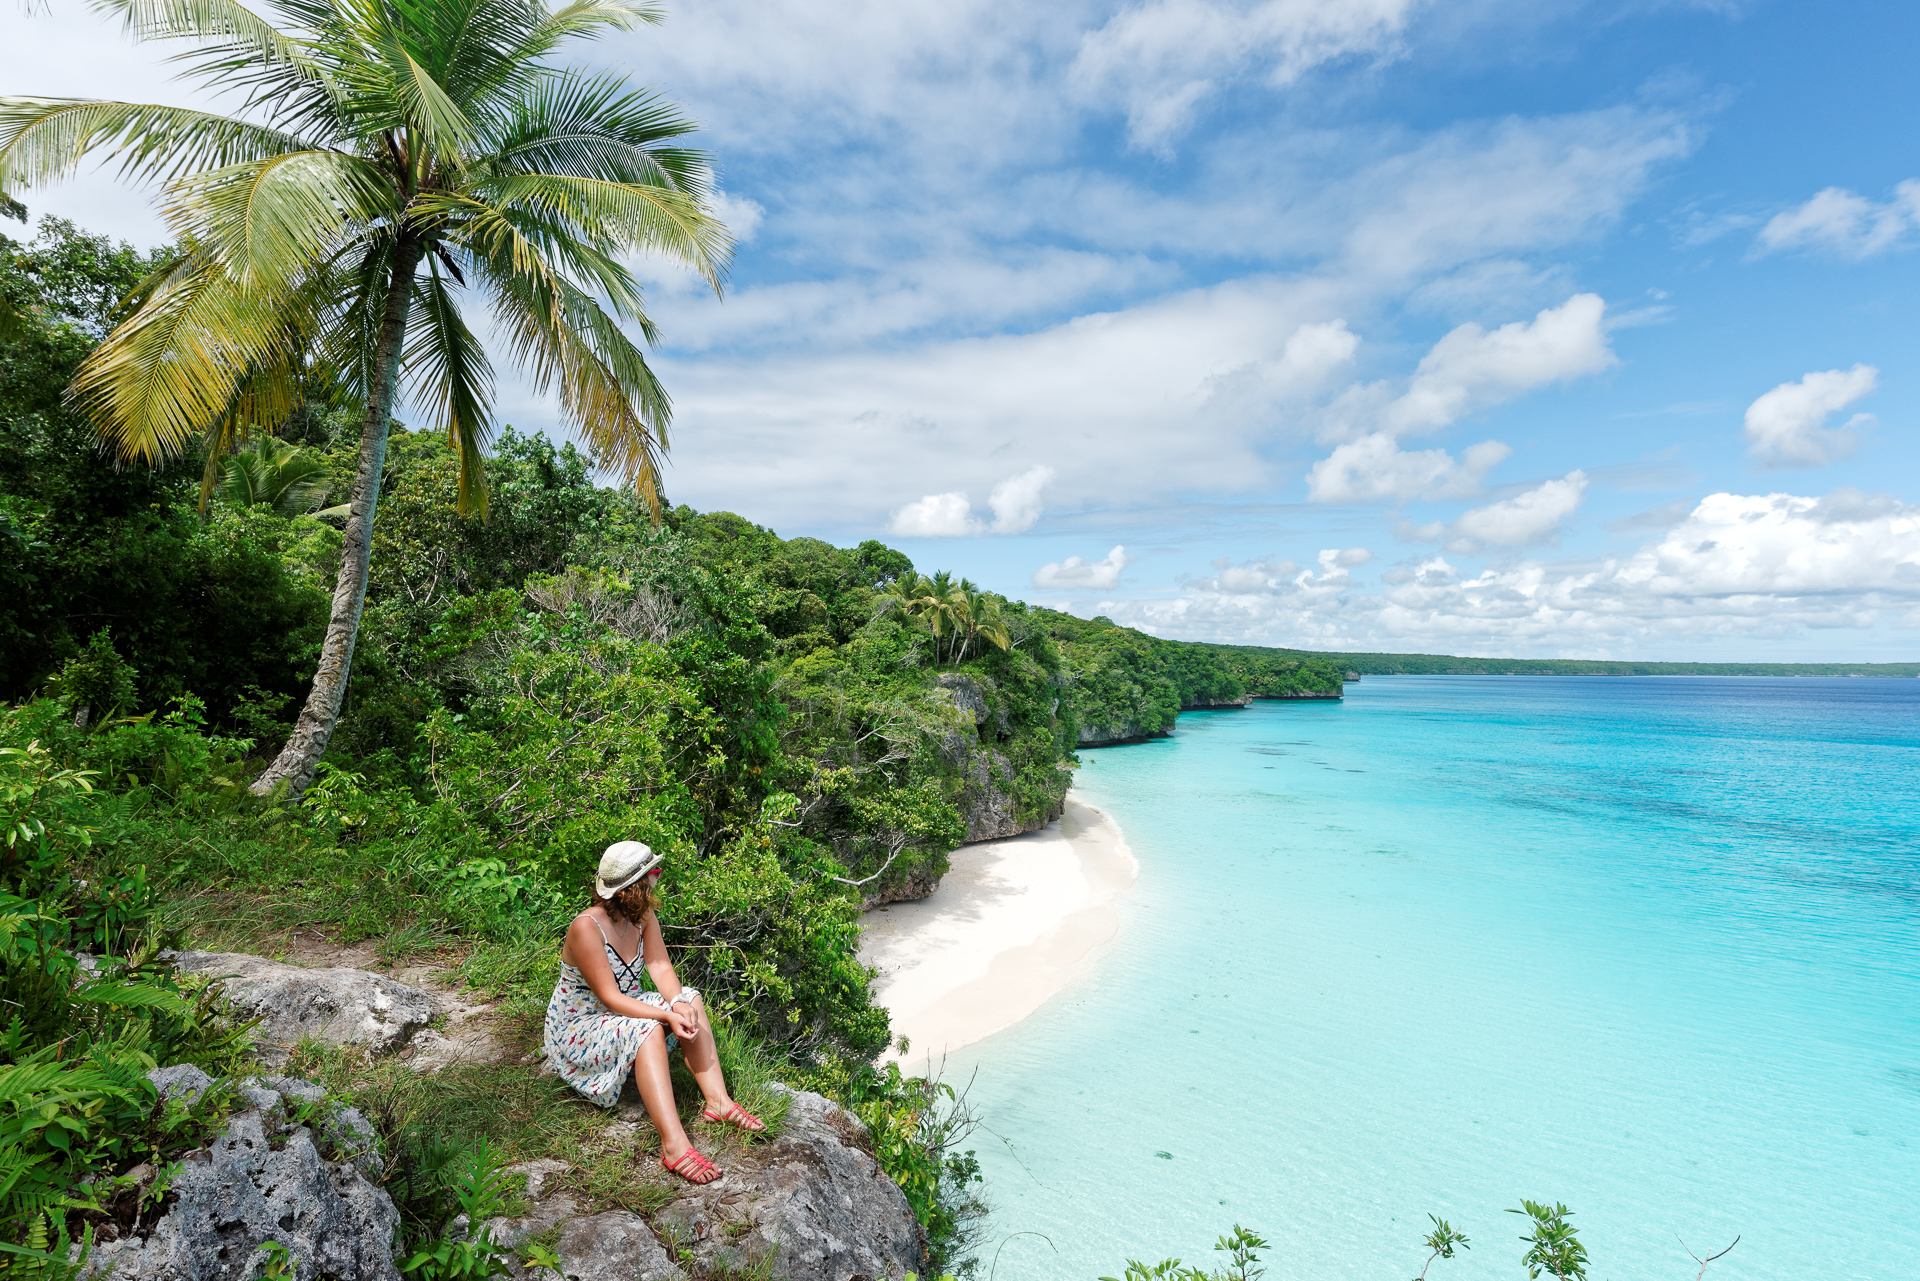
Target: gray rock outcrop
967, 695
917, 882
810, 1205
988, 805
1115, 735
340, 1005
815, 1199
614, 1246
1216, 704
272, 1175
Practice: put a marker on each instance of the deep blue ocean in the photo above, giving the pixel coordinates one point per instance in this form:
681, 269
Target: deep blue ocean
1650, 947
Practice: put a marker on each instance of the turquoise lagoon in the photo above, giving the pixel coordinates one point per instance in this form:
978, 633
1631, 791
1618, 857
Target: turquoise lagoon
1647, 946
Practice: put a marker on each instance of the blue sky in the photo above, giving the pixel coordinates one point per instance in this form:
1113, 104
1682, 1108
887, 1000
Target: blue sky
1496, 328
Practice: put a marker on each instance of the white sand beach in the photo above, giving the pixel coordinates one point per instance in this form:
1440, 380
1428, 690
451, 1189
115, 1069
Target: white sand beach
1011, 924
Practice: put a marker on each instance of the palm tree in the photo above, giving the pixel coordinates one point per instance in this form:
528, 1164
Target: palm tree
958, 614
980, 619
272, 473
387, 158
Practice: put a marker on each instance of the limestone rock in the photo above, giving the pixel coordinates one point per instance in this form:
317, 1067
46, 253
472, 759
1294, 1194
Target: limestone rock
182, 1080
544, 1212
1212, 704
917, 882
814, 1199
614, 1246
986, 801
966, 693
344, 1006
1115, 735
264, 1179
989, 806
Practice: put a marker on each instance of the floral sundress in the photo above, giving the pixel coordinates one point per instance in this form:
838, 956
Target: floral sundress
589, 1046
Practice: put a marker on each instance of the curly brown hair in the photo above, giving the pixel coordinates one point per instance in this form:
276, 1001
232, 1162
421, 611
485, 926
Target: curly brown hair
631, 903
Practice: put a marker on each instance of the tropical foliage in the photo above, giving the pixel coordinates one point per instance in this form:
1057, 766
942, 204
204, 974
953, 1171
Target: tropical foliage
77, 1111
960, 617
271, 473
385, 160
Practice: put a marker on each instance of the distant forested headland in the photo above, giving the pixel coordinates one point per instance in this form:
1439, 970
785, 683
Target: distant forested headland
1449, 665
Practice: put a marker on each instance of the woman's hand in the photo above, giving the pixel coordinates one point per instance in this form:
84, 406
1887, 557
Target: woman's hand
683, 1024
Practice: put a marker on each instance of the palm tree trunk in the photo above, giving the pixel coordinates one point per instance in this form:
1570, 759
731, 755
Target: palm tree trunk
301, 756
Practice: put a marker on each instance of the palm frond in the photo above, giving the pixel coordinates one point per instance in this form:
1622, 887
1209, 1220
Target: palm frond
566, 342
447, 367
275, 474
265, 397
175, 367
267, 220
638, 217
474, 49
44, 139
539, 243
585, 18
597, 127
232, 25
428, 105
347, 337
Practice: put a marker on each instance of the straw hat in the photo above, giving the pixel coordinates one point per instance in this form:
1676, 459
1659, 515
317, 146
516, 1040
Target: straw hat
624, 863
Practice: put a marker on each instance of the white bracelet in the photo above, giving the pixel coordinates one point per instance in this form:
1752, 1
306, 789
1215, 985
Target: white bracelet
685, 994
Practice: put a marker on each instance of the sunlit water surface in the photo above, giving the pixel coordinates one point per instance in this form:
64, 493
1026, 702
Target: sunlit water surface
1647, 946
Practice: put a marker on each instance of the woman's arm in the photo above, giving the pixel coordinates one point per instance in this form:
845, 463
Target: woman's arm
653, 950
590, 958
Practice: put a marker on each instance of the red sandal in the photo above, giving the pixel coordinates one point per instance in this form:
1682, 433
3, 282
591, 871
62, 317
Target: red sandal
693, 1167
737, 1116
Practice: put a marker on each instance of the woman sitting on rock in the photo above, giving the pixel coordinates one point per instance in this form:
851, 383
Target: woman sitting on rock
601, 1017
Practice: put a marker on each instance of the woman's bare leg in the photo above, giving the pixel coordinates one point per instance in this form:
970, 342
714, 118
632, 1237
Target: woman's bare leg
656, 1091
703, 1060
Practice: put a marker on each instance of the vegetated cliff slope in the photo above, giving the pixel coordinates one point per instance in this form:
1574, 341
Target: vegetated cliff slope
901, 743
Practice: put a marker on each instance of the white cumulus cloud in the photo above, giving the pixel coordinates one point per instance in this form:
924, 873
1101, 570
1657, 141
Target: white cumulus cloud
936, 516
1786, 427
1016, 500
1015, 503
1074, 572
1375, 468
1737, 546
1471, 368
1739, 567
1843, 223
1251, 576
1334, 564
1530, 517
